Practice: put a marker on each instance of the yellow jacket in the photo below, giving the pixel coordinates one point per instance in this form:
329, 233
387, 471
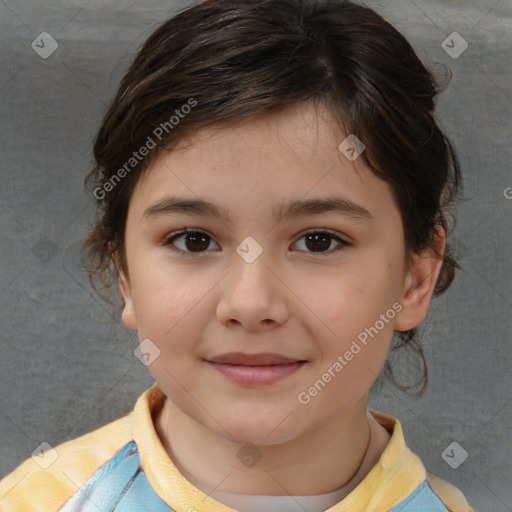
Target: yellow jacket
123, 467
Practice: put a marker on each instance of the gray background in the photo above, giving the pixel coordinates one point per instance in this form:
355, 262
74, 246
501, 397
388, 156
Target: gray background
67, 368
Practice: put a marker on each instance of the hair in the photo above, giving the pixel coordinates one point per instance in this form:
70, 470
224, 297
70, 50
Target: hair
225, 61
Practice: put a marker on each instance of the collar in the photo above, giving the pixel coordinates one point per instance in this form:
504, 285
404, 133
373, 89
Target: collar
396, 475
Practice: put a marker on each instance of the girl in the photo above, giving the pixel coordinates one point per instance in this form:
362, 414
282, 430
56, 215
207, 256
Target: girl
273, 189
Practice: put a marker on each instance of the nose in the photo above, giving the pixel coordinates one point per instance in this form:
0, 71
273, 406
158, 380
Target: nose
253, 297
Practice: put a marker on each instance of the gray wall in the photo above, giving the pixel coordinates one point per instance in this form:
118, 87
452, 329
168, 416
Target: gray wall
65, 369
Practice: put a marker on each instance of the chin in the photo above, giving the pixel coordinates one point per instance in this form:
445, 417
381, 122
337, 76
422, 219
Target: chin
254, 429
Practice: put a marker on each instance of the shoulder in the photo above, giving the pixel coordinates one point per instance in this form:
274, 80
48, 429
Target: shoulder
450, 495
406, 484
47, 480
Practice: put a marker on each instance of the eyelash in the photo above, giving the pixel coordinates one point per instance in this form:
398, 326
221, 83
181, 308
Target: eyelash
181, 252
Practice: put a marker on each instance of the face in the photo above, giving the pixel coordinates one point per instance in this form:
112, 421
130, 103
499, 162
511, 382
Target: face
276, 313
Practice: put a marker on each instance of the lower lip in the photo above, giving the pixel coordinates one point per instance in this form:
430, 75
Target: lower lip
256, 375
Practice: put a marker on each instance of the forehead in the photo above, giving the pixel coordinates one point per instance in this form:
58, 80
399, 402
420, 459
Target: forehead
288, 155
299, 130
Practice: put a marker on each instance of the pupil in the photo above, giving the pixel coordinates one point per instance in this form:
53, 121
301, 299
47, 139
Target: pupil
197, 239
321, 241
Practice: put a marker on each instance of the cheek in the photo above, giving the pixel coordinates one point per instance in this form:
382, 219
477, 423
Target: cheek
173, 323
359, 322
165, 296
347, 374
356, 353
355, 300
168, 317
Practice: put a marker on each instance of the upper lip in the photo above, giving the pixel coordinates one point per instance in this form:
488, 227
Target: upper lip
262, 359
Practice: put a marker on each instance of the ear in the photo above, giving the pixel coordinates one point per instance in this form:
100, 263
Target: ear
419, 284
128, 315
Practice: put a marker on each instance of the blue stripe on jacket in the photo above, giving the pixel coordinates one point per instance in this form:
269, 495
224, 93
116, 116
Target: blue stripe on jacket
120, 485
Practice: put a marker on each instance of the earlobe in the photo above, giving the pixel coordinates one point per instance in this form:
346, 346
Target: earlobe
128, 315
419, 284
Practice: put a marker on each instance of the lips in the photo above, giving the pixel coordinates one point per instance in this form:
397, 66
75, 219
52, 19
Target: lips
255, 369
262, 359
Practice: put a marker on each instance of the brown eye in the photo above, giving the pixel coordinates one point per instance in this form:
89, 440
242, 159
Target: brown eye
194, 242
191, 241
318, 242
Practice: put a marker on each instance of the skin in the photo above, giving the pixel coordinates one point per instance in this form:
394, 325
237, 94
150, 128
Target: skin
291, 300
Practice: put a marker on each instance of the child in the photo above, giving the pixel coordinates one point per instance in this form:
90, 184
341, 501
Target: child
258, 131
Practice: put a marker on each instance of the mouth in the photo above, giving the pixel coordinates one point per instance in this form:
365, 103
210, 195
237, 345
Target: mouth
255, 369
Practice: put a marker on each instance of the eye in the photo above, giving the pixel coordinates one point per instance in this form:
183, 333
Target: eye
194, 241
318, 241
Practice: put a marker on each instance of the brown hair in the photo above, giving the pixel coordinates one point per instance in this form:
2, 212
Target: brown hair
229, 60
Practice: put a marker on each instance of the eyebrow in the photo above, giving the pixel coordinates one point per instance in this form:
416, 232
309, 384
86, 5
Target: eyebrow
283, 211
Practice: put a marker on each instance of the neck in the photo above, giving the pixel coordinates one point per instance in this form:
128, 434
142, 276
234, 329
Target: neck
336, 455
